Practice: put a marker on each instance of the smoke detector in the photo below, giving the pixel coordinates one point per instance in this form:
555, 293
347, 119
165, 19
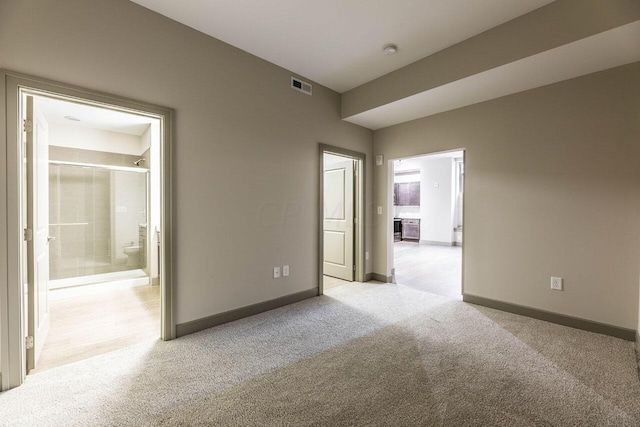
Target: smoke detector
390, 49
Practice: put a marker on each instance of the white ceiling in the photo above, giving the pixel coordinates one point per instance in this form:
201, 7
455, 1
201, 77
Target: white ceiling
55, 110
338, 43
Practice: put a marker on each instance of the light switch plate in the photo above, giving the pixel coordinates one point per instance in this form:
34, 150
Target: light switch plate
276, 272
285, 271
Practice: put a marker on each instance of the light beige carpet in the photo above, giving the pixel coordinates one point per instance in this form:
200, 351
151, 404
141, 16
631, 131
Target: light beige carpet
364, 354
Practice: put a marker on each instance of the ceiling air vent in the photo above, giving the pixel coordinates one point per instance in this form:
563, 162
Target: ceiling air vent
298, 84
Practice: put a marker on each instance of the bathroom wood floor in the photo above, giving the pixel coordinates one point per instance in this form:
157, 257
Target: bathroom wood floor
85, 324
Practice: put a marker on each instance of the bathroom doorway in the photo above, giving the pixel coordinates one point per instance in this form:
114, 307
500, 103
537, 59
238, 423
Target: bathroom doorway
94, 210
102, 212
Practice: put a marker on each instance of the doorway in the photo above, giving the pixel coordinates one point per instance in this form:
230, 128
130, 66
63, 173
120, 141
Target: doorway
98, 208
341, 233
92, 210
427, 201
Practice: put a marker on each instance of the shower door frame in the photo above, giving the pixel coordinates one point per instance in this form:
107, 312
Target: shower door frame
12, 312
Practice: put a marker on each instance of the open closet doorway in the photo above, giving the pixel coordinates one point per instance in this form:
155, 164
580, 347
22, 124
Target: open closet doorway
342, 228
95, 231
427, 205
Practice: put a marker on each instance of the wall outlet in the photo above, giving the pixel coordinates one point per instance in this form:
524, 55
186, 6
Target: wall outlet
366, 255
379, 210
556, 283
276, 272
285, 270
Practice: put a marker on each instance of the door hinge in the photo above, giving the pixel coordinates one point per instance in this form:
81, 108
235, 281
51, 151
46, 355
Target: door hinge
28, 342
28, 234
27, 126
354, 268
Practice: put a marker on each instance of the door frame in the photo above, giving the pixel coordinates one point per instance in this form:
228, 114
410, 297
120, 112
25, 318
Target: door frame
391, 273
12, 345
358, 209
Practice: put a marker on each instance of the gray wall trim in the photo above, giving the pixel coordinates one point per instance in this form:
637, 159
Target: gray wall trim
560, 319
239, 313
368, 277
332, 149
381, 278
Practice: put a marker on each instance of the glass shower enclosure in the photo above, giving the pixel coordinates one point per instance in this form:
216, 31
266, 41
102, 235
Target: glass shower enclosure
98, 217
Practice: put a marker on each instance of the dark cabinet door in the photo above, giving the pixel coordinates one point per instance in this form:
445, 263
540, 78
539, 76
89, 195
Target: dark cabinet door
406, 194
411, 229
414, 193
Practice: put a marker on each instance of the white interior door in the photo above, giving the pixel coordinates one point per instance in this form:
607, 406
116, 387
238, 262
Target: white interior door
37, 155
338, 220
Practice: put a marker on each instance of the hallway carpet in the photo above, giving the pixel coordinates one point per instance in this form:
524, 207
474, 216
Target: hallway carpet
363, 354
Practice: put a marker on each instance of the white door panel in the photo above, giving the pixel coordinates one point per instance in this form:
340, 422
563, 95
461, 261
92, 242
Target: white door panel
334, 195
338, 220
334, 242
37, 154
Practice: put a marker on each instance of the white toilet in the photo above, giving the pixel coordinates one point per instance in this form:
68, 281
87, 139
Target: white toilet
133, 255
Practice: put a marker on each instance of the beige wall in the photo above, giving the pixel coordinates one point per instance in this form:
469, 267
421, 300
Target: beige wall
245, 149
552, 187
